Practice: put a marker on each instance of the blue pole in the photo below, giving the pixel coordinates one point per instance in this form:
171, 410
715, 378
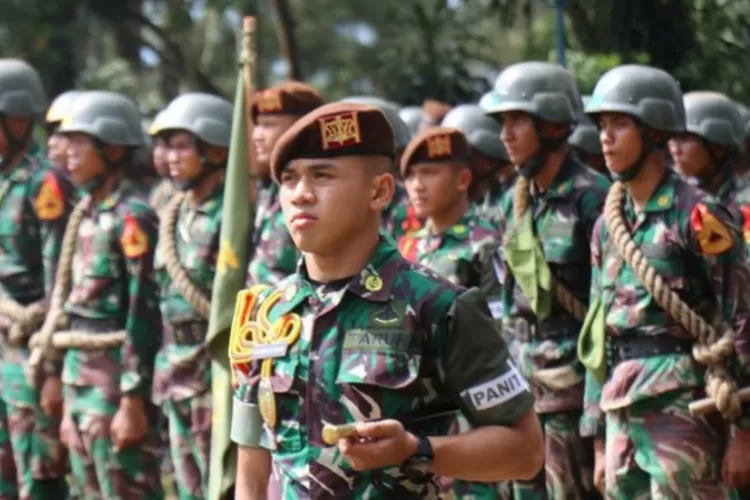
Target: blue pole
560, 24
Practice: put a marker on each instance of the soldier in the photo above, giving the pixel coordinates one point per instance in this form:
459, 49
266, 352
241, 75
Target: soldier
104, 311
196, 128
546, 221
35, 203
362, 337
396, 221
164, 189
585, 143
433, 112
273, 112
658, 228
492, 171
57, 143
437, 167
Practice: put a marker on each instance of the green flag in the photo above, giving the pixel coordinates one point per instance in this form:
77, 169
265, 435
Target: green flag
231, 273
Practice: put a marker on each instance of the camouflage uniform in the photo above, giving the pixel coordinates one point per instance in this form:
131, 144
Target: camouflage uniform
557, 226
359, 351
654, 447
362, 378
182, 374
35, 202
163, 190
112, 289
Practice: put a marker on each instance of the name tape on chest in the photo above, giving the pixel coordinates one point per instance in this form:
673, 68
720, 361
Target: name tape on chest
497, 391
381, 339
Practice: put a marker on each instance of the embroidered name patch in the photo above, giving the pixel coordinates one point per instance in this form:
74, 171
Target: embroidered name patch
498, 390
380, 339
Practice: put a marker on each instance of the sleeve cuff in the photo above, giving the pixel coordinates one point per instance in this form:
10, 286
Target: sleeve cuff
247, 424
130, 383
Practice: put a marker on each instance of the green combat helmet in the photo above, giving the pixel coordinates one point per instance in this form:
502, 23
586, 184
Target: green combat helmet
21, 96
106, 116
546, 91
649, 95
586, 135
401, 131
21, 92
713, 117
412, 116
482, 132
206, 116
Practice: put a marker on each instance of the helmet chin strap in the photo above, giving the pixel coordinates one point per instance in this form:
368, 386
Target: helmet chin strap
110, 167
207, 168
631, 172
717, 168
531, 167
15, 145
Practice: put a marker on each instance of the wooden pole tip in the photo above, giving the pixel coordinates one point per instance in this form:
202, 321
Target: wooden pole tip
248, 23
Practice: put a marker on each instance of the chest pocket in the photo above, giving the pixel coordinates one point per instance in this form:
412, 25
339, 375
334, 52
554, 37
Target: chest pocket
561, 242
379, 370
668, 260
105, 260
286, 431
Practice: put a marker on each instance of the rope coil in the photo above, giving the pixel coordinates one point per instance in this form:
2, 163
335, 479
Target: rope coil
85, 340
167, 230
710, 349
25, 320
56, 317
566, 299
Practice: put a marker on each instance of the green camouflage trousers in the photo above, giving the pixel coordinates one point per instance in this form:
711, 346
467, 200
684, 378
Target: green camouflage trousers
568, 472
102, 473
40, 459
190, 444
656, 449
8, 489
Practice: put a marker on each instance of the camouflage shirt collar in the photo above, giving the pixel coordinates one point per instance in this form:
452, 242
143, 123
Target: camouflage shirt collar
374, 283
662, 199
213, 202
459, 231
113, 198
562, 184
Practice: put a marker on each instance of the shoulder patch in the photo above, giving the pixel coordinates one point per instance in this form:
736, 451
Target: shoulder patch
50, 203
133, 240
745, 209
713, 235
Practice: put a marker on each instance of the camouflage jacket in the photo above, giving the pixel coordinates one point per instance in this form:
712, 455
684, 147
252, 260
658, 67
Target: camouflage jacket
113, 283
563, 218
161, 194
395, 341
35, 202
734, 193
274, 253
454, 253
183, 368
665, 231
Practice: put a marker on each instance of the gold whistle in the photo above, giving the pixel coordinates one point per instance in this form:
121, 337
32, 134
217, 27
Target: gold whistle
332, 433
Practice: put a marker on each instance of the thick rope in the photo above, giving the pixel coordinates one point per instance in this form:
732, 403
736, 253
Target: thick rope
180, 277
25, 320
568, 301
63, 280
710, 349
89, 341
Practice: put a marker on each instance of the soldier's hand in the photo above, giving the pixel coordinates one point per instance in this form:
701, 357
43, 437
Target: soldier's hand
51, 398
130, 424
599, 478
384, 443
736, 466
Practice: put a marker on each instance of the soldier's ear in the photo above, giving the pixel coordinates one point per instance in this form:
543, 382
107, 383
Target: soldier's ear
114, 153
384, 186
464, 178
